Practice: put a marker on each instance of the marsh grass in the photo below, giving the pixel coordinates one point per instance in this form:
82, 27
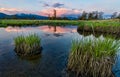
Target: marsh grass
102, 26
101, 29
59, 22
27, 45
93, 57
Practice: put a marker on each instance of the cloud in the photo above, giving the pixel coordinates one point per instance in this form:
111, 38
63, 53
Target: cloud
44, 12
58, 5
60, 12
11, 11
46, 5
54, 5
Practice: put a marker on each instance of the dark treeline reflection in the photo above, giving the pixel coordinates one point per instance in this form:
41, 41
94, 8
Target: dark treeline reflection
98, 34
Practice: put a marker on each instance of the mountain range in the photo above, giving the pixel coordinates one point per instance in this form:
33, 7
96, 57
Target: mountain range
34, 16
22, 16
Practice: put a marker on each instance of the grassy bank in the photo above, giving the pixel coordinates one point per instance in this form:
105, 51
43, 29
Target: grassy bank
38, 22
100, 29
60, 22
100, 26
91, 57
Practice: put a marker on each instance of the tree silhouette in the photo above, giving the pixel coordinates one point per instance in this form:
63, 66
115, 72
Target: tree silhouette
83, 16
119, 17
90, 16
100, 15
54, 11
114, 15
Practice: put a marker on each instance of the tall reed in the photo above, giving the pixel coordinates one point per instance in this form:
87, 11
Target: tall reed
27, 45
92, 57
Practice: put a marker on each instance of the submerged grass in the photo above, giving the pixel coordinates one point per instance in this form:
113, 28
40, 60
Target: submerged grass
27, 45
93, 57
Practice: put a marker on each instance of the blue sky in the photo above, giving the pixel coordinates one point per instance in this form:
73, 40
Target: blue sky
41, 6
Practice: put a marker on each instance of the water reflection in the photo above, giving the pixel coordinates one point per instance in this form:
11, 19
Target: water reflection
49, 29
97, 34
13, 29
53, 59
34, 60
57, 29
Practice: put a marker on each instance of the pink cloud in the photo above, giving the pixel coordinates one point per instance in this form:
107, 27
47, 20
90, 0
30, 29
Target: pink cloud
44, 12
10, 10
60, 11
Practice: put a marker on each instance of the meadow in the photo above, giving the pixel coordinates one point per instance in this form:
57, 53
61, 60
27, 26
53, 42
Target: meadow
103, 26
7, 22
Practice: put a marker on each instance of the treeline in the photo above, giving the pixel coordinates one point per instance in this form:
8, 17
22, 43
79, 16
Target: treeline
115, 15
95, 15
91, 16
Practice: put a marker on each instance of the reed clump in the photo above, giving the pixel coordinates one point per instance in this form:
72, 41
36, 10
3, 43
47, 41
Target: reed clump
93, 57
27, 45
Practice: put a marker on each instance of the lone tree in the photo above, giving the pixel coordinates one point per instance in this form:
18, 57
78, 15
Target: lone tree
55, 13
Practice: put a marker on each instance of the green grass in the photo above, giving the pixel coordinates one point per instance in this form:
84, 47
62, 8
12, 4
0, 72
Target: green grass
103, 26
37, 22
108, 27
27, 45
93, 57
60, 22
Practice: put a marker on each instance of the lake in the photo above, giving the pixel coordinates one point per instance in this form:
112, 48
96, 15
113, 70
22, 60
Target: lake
56, 43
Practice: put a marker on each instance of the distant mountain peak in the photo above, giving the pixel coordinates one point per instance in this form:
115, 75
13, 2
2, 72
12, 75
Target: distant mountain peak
22, 16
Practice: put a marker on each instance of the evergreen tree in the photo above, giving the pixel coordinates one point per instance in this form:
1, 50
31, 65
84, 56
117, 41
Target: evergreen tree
119, 17
83, 16
114, 15
100, 15
96, 16
90, 16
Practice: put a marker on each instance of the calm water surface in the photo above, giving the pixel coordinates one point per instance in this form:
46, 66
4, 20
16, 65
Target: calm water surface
56, 42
